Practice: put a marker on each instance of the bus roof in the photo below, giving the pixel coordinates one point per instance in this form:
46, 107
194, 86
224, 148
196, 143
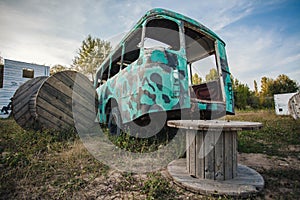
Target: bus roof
162, 12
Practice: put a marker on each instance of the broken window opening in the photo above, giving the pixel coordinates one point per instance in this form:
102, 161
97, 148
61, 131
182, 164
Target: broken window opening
204, 78
131, 49
162, 33
116, 63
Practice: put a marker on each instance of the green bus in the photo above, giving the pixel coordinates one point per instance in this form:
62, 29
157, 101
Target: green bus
167, 63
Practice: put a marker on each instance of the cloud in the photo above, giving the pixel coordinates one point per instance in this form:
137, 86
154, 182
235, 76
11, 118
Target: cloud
50, 32
254, 52
41, 32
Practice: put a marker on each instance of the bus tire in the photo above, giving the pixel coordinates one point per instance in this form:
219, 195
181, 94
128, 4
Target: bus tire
114, 121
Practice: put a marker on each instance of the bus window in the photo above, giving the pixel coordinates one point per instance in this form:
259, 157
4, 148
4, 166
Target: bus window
104, 75
162, 33
116, 63
203, 69
131, 49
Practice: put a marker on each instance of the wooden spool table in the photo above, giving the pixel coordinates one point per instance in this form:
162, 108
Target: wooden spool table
211, 164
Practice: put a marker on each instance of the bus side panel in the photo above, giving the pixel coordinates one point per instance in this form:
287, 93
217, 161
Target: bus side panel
159, 83
164, 82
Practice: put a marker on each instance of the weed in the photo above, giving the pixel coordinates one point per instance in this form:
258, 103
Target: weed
136, 144
157, 187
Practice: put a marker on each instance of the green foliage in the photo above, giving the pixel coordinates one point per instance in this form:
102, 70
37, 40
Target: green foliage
212, 75
241, 94
57, 68
245, 98
283, 84
92, 53
38, 163
156, 187
196, 80
139, 145
56, 165
275, 136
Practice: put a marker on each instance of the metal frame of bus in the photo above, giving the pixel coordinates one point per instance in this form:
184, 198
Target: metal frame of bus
156, 80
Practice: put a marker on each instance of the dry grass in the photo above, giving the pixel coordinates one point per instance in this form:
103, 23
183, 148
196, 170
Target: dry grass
46, 165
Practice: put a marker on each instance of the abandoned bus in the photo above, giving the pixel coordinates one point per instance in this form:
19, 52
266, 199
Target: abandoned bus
167, 63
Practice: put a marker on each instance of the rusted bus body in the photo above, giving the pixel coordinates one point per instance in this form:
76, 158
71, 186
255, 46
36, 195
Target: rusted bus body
152, 68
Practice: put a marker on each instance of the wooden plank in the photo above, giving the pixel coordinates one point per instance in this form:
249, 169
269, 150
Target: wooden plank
219, 155
209, 164
55, 116
83, 86
62, 117
200, 155
192, 152
55, 98
68, 77
25, 120
228, 155
42, 121
188, 151
32, 106
19, 100
19, 113
23, 89
238, 188
234, 153
79, 84
60, 87
214, 124
86, 103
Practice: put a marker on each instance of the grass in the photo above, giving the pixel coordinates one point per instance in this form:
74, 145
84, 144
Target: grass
56, 165
43, 164
279, 133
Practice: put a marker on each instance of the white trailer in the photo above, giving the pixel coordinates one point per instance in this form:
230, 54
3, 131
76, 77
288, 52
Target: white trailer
12, 75
281, 103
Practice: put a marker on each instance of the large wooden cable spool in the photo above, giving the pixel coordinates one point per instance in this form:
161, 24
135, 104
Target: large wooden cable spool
51, 101
23, 102
294, 106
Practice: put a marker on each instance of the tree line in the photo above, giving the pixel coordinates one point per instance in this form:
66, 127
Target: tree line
93, 51
263, 98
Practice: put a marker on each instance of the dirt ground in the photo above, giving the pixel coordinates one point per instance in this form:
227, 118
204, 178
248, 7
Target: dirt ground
281, 175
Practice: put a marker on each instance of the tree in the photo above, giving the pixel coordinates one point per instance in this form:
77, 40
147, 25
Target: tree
283, 84
91, 54
241, 94
57, 68
255, 88
196, 79
265, 95
212, 75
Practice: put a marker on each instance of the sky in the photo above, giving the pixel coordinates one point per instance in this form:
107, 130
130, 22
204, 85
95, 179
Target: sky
261, 36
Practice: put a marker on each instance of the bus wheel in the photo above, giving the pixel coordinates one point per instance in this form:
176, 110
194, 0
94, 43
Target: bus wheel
115, 121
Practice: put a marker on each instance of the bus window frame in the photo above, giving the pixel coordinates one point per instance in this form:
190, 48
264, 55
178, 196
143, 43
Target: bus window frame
216, 54
180, 32
111, 61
